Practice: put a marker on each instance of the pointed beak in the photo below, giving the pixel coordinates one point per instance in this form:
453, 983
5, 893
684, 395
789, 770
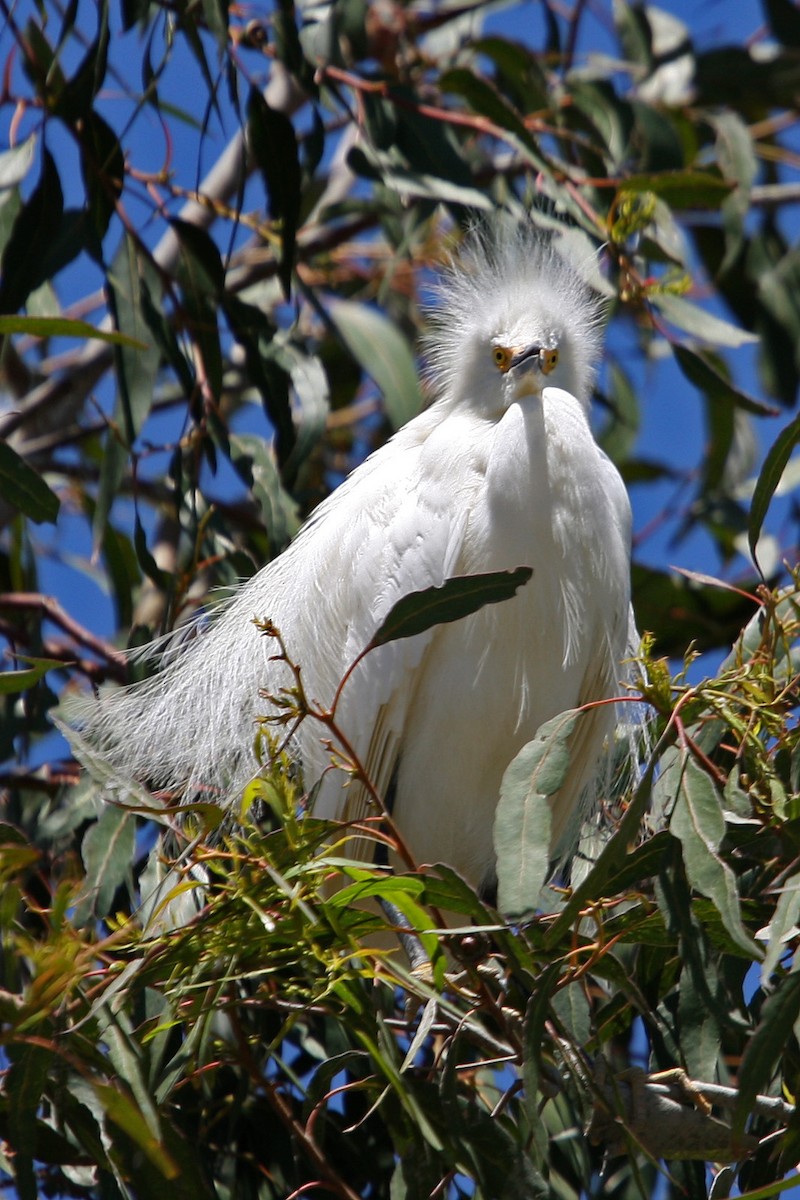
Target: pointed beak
537, 356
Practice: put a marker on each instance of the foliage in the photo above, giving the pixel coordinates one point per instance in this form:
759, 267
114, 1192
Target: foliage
245, 334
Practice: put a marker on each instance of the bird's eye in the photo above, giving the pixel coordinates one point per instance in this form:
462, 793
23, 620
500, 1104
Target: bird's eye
548, 361
501, 357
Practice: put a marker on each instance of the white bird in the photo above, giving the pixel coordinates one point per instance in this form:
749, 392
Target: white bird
502, 470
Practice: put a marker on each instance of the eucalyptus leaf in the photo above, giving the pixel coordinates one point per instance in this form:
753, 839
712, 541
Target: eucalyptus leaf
697, 821
523, 820
384, 354
699, 322
457, 598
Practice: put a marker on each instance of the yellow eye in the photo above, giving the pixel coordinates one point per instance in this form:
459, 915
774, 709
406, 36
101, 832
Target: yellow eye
501, 357
548, 361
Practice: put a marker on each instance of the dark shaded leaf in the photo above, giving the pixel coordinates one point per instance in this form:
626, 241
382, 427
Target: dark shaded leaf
537, 1013
103, 170
769, 477
134, 12
457, 597
137, 358
26, 261
202, 278
784, 19
77, 96
24, 489
216, 14
265, 364
770, 1040
706, 376
146, 560
519, 71
273, 143
679, 611
24, 1084
485, 100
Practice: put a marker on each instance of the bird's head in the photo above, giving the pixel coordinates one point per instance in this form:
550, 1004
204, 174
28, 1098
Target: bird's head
515, 317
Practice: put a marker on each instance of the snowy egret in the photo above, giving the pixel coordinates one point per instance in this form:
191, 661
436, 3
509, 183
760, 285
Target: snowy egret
502, 470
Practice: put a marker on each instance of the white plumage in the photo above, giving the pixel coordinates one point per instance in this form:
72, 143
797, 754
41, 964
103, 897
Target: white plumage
501, 471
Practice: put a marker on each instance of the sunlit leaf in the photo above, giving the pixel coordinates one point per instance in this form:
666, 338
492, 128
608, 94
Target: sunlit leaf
699, 322
523, 822
698, 822
384, 354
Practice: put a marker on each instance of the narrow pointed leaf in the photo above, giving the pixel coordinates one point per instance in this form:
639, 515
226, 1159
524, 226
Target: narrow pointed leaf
18, 681
458, 597
704, 376
24, 488
768, 1043
47, 327
768, 479
699, 322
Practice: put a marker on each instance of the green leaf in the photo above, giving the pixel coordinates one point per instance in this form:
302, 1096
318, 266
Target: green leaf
422, 185
266, 367
124, 1113
384, 354
273, 144
612, 855
681, 611
781, 930
682, 189
216, 14
12, 682
26, 259
522, 826
484, 99
108, 853
136, 371
254, 462
769, 1042
76, 98
458, 597
700, 323
537, 1014
24, 1084
48, 327
697, 821
401, 892
24, 489
202, 279
103, 170
768, 479
705, 376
